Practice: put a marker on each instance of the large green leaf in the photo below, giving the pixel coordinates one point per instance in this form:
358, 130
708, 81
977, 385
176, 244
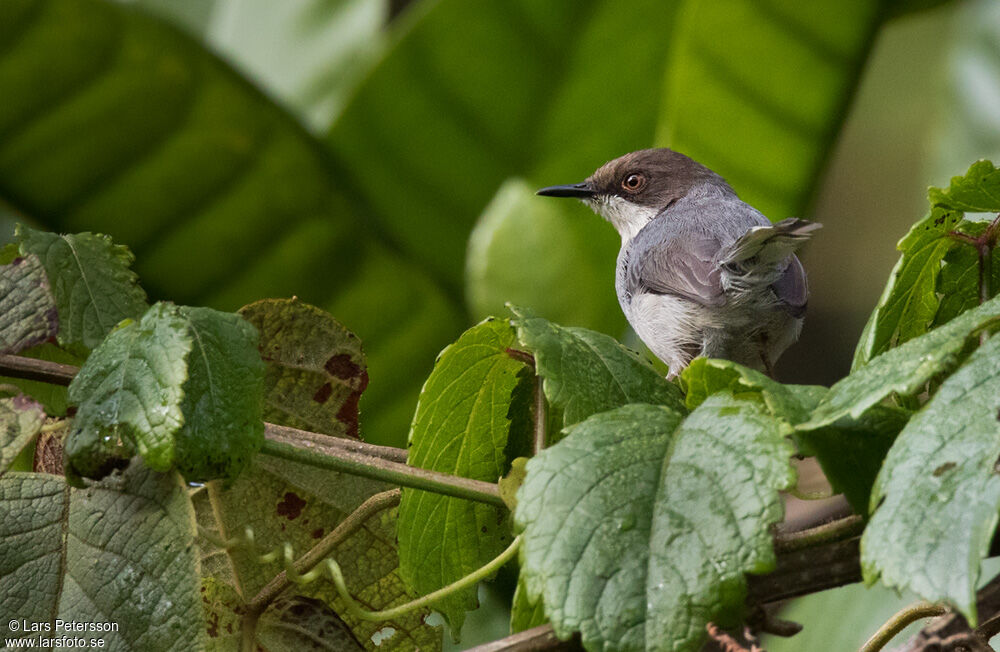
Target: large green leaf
141, 133
461, 427
121, 551
757, 91
586, 372
520, 251
904, 369
474, 93
640, 524
938, 494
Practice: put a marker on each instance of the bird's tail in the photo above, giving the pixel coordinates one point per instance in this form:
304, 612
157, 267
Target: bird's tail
767, 245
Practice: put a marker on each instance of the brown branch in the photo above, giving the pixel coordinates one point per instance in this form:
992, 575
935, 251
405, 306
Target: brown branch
535, 639
19, 366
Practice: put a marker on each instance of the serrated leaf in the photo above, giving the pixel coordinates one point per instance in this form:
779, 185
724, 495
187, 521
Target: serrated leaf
316, 370
92, 281
511, 258
27, 308
931, 282
288, 502
851, 451
904, 369
20, 420
909, 301
586, 372
223, 396
461, 427
182, 386
121, 551
937, 497
977, 191
707, 376
129, 395
639, 526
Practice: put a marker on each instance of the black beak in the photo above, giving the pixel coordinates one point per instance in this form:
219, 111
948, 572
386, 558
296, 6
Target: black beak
581, 190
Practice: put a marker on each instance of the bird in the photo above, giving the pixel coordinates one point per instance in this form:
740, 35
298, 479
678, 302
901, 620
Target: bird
700, 272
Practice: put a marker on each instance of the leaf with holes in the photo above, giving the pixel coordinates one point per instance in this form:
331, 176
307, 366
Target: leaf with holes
640, 525
586, 372
121, 550
21, 420
937, 496
904, 369
27, 309
92, 280
316, 370
461, 426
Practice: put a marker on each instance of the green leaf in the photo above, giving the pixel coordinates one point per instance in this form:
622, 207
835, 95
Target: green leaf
586, 372
461, 427
223, 396
937, 497
909, 302
121, 551
316, 370
285, 502
92, 280
443, 140
977, 191
731, 89
640, 524
129, 394
904, 369
21, 420
297, 623
142, 133
707, 376
851, 451
936, 276
27, 309
183, 386
520, 250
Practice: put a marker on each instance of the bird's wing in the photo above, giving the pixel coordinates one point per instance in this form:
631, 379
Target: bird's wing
684, 266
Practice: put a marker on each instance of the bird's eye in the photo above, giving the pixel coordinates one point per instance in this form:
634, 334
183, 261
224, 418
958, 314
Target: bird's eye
633, 182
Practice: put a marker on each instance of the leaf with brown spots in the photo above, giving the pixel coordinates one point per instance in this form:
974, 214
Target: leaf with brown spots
27, 308
316, 370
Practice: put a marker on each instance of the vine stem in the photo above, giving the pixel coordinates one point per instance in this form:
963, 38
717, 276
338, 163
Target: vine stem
833, 531
898, 623
314, 556
471, 579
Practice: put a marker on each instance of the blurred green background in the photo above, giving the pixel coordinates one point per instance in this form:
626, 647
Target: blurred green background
378, 157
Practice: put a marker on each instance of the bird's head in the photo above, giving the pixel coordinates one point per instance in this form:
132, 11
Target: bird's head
631, 190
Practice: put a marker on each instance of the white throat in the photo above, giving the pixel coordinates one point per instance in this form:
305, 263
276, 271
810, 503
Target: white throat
626, 217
